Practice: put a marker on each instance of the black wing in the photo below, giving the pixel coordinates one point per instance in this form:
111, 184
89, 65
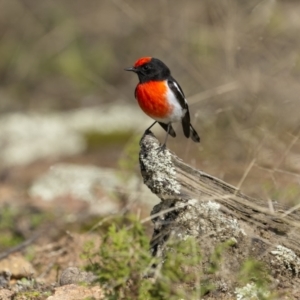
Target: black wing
178, 92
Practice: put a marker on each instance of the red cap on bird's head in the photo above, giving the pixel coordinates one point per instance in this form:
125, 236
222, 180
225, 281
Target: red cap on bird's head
141, 61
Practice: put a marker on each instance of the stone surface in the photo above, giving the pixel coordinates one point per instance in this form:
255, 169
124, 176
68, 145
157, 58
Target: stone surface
75, 275
6, 294
27, 137
91, 184
17, 266
4, 278
75, 292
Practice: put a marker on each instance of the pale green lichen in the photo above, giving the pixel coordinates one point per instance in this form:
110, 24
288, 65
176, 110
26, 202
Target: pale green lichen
201, 218
288, 257
198, 215
160, 171
251, 292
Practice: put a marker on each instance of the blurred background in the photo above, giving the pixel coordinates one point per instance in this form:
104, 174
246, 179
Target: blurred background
70, 126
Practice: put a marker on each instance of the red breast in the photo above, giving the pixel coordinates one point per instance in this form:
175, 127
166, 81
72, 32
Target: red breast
152, 98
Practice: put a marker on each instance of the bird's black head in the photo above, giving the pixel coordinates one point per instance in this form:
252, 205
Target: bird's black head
149, 69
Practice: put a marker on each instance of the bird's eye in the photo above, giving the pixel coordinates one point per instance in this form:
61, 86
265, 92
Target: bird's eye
146, 67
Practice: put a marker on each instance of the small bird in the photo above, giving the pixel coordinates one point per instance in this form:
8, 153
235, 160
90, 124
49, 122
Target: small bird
161, 98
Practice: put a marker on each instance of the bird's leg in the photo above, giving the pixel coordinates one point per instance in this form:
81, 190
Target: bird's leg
163, 146
148, 129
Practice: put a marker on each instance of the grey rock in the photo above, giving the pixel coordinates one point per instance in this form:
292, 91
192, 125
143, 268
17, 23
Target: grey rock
84, 182
74, 275
27, 137
4, 279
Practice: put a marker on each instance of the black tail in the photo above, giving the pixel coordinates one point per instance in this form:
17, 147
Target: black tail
194, 135
165, 127
186, 123
188, 129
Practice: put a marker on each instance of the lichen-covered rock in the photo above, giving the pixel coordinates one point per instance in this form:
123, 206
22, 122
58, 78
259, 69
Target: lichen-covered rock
230, 228
6, 294
27, 137
90, 184
75, 275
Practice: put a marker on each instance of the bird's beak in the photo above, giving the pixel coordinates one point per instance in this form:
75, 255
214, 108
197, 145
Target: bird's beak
132, 69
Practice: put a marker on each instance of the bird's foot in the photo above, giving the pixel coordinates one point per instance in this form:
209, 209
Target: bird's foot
161, 148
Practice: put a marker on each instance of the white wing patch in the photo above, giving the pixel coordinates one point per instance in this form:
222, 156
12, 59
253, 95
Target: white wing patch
178, 89
178, 113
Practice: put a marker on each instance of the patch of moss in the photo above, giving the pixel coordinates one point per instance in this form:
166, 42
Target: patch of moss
254, 276
11, 216
123, 263
8, 239
128, 160
32, 295
96, 139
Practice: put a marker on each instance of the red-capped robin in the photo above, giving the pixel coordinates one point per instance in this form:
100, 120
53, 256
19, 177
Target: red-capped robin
161, 98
